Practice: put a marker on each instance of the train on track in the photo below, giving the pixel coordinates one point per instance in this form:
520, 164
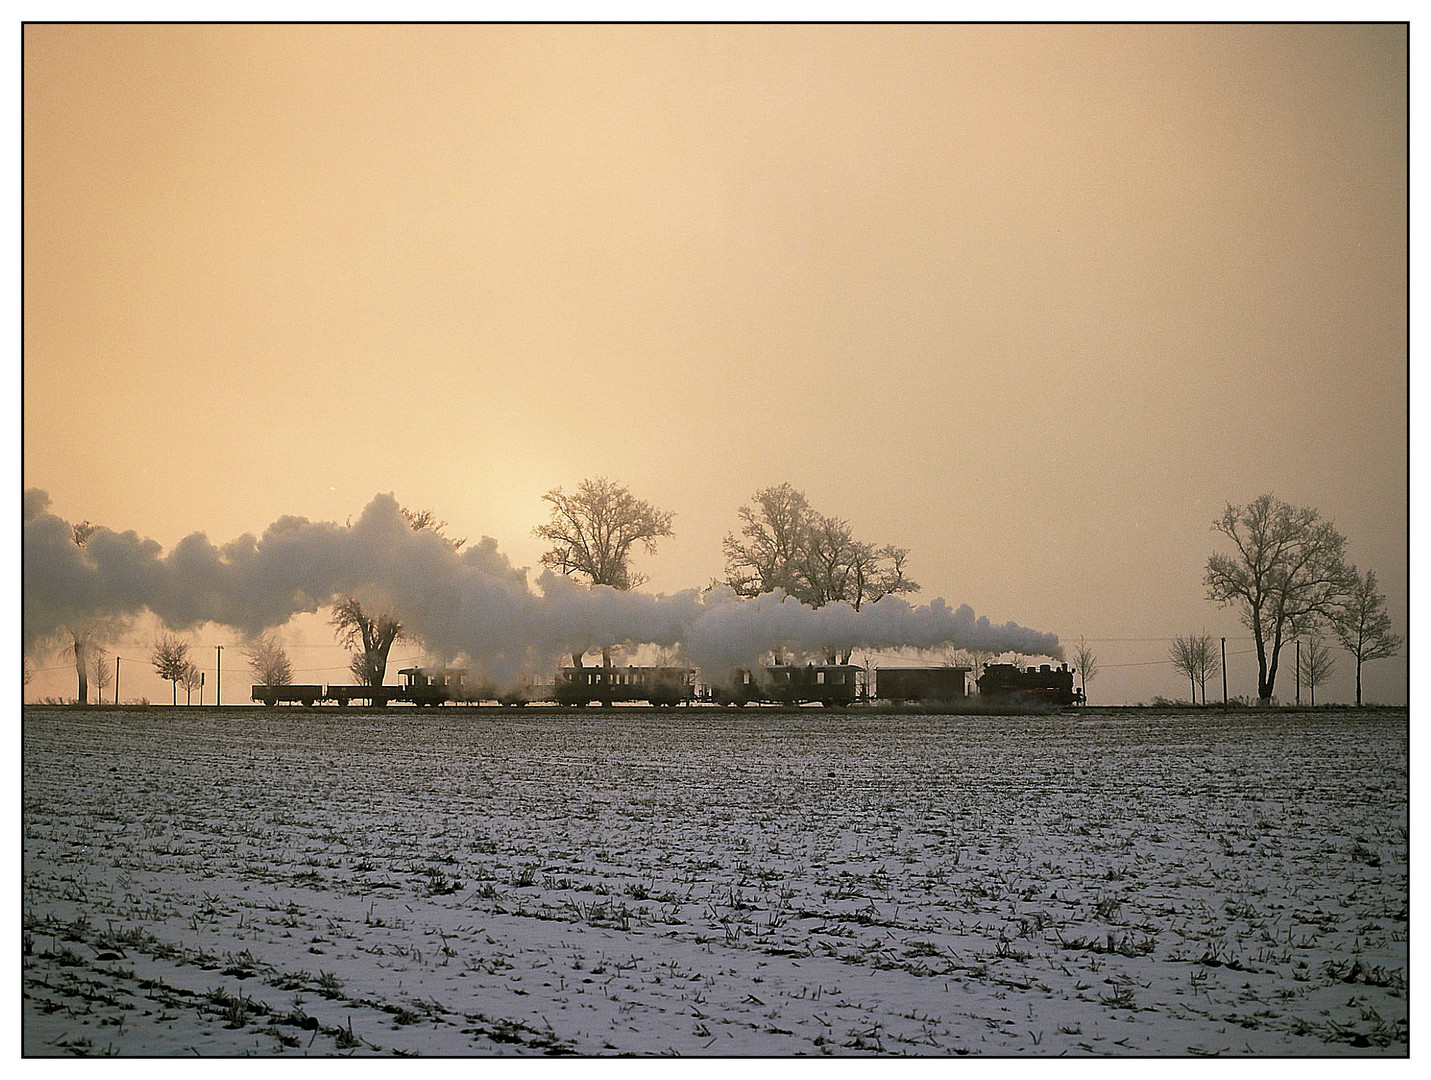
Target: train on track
1044, 685
830, 685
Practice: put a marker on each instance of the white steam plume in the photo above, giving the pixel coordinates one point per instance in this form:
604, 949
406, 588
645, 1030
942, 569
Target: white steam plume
471, 605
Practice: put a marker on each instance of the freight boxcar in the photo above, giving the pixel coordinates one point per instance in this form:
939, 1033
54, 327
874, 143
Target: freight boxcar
921, 684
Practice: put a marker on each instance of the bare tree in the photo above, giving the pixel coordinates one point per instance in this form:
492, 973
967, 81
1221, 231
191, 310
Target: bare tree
79, 638
268, 661
784, 544
170, 657
1195, 657
1208, 662
1362, 626
1183, 654
1085, 662
191, 678
369, 635
1290, 568
594, 530
100, 673
426, 519
978, 661
770, 551
1317, 665
839, 567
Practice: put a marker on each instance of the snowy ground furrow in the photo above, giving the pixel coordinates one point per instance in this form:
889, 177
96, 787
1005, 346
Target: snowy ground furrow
692, 882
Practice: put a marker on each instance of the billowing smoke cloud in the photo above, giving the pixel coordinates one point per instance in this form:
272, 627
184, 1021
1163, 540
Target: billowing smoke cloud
471, 605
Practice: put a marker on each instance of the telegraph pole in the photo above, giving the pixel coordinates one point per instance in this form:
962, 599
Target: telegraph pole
219, 678
1224, 674
116, 681
1299, 671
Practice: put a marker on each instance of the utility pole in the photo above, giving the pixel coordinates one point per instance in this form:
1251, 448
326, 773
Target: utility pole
116, 681
219, 678
1224, 674
1299, 671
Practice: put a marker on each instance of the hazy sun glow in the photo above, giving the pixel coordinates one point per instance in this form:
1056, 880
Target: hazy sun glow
1032, 301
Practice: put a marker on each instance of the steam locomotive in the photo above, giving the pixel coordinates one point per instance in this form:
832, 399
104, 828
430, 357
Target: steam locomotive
1042, 685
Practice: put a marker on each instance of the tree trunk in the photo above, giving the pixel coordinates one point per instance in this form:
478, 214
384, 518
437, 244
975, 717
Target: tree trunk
1267, 674
83, 689
1358, 682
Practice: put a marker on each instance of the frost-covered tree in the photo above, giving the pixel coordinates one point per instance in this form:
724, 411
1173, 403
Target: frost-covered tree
1362, 626
369, 636
268, 661
191, 678
1289, 571
769, 552
426, 519
1183, 654
785, 544
1085, 662
100, 672
81, 637
1196, 659
170, 658
594, 531
368, 629
1316, 664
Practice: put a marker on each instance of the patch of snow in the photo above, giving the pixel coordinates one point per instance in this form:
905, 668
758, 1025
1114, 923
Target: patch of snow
276, 882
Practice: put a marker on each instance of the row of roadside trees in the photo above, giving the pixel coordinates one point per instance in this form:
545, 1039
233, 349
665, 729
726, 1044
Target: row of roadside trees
1197, 658
1290, 580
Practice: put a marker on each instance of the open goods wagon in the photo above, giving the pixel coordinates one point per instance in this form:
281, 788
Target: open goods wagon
421, 686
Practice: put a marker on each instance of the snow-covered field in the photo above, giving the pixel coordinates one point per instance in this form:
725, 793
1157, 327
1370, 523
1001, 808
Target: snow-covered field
699, 882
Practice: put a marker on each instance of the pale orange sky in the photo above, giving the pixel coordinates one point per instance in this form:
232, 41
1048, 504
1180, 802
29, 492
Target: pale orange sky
1032, 301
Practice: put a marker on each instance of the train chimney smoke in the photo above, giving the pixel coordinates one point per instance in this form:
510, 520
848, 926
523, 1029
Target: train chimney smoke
471, 606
